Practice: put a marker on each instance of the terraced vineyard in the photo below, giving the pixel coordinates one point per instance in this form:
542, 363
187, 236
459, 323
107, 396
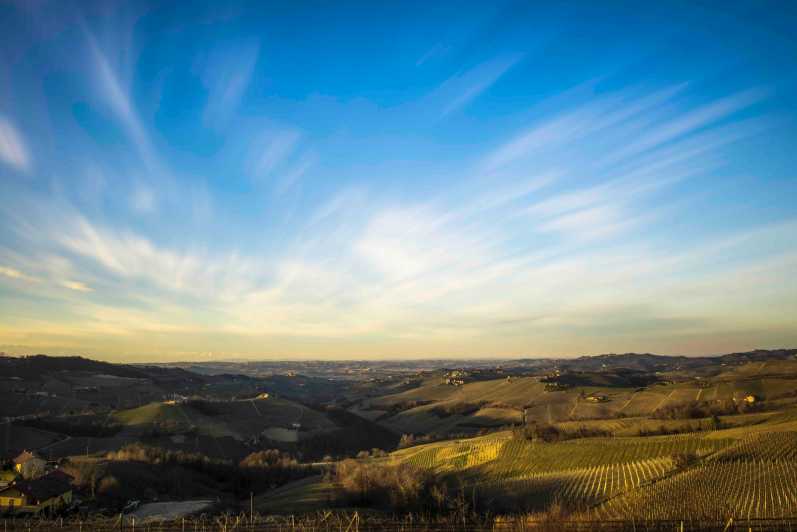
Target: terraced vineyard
519, 458
744, 489
745, 473
754, 479
578, 488
778, 446
505, 457
577, 473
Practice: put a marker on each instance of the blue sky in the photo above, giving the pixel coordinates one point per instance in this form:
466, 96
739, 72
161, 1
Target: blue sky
349, 180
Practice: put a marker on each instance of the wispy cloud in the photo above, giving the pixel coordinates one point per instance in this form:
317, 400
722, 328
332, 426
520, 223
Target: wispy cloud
293, 174
117, 97
691, 121
461, 89
618, 113
15, 274
77, 286
226, 74
274, 149
435, 52
12, 147
133, 256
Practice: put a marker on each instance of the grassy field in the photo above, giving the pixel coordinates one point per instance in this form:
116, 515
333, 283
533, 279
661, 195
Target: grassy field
305, 495
235, 419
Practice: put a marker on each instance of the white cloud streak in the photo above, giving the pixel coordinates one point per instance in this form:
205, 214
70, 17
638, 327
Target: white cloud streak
12, 147
77, 286
13, 273
463, 88
273, 151
226, 75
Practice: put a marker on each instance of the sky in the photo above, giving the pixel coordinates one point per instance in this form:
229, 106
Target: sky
342, 180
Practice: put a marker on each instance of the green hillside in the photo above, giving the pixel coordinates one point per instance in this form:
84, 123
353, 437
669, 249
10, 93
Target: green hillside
242, 419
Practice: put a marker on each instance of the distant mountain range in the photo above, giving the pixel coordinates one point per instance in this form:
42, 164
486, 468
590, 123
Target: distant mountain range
27, 367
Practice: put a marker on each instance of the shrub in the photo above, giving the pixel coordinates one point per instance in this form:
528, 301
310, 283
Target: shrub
696, 410
407, 440
551, 433
268, 458
177, 470
682, 460
399, 488
461, 409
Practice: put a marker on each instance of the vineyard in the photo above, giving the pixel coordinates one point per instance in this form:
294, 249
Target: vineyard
576, 488
745, 489
501, 457
748, 473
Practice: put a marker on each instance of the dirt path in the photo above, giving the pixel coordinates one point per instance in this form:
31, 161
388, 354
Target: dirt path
627, 402
666, 398
572, 410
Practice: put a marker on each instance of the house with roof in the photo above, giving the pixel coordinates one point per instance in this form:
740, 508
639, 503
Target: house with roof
750, 399
48, 493
597, 398
29, 464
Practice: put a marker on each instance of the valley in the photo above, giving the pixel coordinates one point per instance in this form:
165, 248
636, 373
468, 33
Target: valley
593, 438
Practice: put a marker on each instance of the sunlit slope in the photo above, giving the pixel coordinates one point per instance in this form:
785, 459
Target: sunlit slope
501, 456
754, 479
305, 495
437, 408
620, 477
237, 419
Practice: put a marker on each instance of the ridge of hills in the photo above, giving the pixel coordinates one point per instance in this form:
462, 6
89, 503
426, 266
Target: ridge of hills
604, 436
